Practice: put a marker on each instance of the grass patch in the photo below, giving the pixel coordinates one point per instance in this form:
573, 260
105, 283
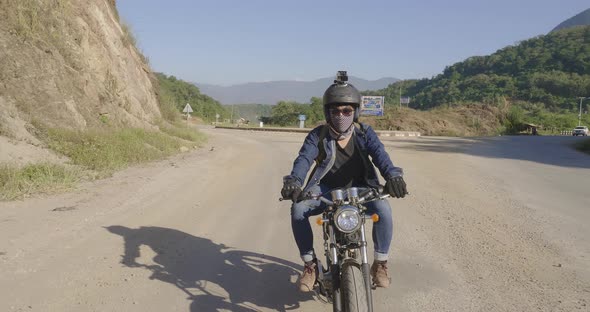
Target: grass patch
108, 150
166, 101
182, 131
583, 146
27, 20
36, 19
16, 183
96, 154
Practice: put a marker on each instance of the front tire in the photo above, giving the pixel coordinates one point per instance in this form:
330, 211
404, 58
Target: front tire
354, 295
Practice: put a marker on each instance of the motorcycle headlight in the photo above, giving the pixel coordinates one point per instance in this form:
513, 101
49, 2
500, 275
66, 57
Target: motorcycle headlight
347, 219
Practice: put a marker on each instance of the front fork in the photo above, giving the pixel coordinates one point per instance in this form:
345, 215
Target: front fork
335, 270
330, 248
365, 268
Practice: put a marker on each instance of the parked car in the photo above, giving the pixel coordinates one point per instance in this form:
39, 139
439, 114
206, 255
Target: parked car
580, 130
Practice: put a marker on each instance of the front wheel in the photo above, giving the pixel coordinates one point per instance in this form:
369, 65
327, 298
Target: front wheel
354, 295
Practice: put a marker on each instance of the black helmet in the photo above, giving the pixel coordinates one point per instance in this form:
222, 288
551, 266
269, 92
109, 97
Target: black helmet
341, 92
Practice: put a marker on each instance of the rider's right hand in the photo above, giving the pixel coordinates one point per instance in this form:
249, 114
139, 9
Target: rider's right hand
291, 188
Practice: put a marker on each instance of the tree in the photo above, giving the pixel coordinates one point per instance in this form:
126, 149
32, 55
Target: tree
178, 93
285, 113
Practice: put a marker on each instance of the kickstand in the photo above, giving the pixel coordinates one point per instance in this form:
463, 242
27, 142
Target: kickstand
321, 292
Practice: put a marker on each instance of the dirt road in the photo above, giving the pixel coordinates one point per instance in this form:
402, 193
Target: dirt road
495, 224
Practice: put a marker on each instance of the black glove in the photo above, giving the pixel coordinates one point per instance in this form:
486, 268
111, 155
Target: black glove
291, 188
396, 187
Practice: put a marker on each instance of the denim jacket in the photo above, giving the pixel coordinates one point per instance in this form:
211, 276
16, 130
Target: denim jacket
366, 142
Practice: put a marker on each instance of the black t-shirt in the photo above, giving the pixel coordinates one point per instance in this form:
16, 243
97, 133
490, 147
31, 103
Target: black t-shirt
348, 169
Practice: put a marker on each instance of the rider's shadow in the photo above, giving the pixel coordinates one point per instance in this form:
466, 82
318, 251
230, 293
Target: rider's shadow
212, 275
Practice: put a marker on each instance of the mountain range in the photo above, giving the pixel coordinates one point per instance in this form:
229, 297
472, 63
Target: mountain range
287, 90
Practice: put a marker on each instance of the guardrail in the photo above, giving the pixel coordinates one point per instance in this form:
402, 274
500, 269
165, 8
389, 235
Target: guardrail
568, 133
383, 133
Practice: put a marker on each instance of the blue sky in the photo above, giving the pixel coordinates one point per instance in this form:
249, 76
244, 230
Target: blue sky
227, 42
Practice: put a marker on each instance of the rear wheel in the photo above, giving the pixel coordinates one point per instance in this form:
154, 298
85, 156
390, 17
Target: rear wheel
354, 295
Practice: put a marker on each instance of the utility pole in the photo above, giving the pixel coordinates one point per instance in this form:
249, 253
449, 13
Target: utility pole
231, 119
580, 115
400, 95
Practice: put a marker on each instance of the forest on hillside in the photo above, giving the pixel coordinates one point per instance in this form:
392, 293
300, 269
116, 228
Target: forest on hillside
551, 70
540, 79
176, 93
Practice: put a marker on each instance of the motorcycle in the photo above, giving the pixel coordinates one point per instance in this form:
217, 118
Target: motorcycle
346, 279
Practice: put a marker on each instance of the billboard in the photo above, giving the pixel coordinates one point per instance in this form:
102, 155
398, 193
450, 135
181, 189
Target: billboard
372, 105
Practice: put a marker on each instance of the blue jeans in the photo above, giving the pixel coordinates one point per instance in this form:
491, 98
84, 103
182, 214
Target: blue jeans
301, 211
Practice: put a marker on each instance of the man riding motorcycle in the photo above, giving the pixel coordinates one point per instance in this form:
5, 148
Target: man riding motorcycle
341, 152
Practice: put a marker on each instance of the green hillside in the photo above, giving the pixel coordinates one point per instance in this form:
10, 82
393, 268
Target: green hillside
175, 93
551, 70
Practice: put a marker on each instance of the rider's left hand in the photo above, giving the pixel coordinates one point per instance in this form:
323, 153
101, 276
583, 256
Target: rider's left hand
396, 187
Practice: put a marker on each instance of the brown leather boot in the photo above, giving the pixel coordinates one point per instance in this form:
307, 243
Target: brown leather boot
308, 277
379, 274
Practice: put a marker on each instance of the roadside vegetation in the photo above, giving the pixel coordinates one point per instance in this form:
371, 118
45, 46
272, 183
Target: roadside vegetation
250, 112
182, 131
106, 151
94, 154
178, 93
18, 182
466, 120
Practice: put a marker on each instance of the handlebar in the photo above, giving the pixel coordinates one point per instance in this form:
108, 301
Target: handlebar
365, 195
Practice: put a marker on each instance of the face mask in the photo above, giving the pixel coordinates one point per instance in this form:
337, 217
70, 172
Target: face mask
341, 123
341, 127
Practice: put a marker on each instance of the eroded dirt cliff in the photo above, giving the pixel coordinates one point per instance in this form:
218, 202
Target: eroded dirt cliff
71, 64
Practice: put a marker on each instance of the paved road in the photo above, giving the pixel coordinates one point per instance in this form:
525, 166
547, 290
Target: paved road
493, 224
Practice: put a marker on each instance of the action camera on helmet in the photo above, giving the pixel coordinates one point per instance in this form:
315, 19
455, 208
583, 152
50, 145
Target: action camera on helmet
341, 77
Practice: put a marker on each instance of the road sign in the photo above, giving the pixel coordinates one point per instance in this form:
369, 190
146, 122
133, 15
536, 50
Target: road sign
302, 117
372, 105
187, 109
